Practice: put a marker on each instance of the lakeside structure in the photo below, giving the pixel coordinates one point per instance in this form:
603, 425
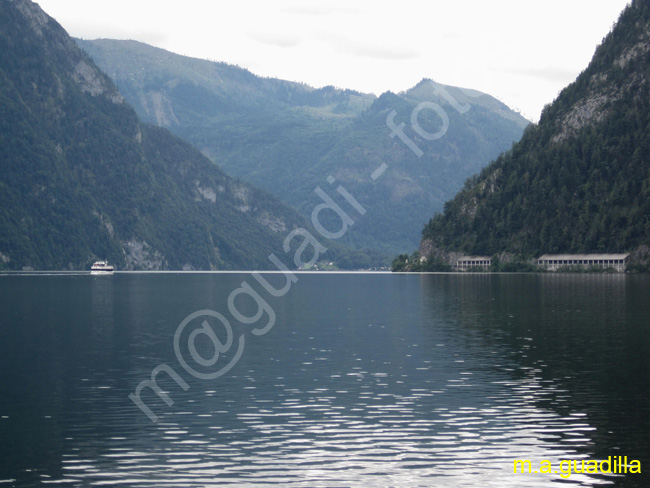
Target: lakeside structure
553, 262
468, 262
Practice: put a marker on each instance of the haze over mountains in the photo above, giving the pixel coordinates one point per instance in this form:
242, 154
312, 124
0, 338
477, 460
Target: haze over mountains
288, 138
82, 178
579, 181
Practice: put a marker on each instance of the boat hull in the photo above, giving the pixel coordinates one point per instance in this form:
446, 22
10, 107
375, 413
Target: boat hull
101, 271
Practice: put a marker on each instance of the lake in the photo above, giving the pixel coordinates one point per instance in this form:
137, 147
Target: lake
345, 380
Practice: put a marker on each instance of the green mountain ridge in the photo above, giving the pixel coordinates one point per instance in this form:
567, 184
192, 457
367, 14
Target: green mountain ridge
579, 180
288, 138
82, 178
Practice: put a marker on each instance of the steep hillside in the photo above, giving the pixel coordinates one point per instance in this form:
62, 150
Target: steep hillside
579, 181
289, 138
81, 178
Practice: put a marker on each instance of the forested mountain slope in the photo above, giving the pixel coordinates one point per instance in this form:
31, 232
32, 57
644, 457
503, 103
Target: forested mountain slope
82, 178
288, 138
577, 182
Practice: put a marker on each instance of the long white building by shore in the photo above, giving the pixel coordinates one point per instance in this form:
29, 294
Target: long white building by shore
552, 262
470, 262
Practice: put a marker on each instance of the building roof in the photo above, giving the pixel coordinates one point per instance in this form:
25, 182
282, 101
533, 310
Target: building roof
567, 257
475, 258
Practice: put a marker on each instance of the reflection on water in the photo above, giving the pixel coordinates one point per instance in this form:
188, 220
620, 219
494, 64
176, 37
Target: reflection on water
365, 380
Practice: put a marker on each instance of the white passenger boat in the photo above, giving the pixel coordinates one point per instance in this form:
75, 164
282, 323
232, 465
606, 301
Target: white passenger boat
101, 268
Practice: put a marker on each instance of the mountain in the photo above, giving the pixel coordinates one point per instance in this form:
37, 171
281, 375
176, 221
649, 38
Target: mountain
577, 182
288, 138
82, 178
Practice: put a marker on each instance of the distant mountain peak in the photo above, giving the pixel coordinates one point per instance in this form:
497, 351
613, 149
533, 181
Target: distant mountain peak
290, 138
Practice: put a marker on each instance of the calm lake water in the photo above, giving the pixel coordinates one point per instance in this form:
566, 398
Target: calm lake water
364, 380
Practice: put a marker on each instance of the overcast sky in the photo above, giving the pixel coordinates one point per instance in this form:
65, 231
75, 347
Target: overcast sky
520, 51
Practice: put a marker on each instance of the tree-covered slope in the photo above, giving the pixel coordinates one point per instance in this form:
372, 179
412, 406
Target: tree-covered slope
289, 137
579, 181
81, 178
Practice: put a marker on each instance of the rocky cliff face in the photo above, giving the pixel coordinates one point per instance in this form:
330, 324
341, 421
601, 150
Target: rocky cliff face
602, 90
54, 41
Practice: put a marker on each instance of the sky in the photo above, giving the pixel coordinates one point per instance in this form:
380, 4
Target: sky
523, 52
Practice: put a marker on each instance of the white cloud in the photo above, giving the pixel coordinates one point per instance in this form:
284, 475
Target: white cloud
521, 52
550, 74
304, 9
355, 47
274, 39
